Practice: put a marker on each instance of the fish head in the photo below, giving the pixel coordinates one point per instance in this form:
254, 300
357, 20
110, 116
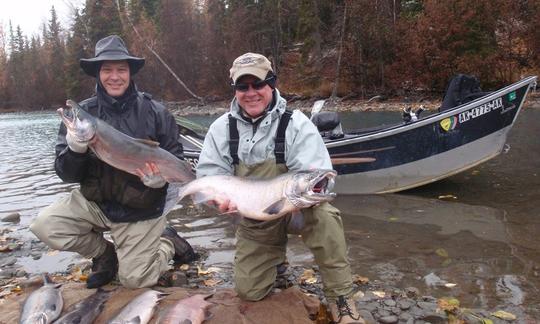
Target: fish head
80, 124
308, 188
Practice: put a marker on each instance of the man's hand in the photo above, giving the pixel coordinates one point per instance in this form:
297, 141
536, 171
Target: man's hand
151, 176
76, 146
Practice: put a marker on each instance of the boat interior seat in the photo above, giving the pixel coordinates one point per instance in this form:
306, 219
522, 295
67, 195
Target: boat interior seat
328, 124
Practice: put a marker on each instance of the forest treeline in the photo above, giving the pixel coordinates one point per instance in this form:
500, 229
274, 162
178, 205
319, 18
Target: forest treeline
345, 48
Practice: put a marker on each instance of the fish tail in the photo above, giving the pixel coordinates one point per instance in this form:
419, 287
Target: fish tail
46, 278
174, 195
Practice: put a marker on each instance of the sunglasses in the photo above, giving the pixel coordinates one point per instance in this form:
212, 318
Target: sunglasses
257, 85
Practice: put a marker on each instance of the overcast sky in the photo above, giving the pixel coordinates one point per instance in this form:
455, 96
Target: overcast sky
31, 14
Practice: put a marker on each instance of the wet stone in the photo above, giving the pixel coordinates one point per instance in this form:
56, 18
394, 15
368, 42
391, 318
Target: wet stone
370, 307
21, 273
8, 261
404, 304
7, 273
404, 317
390, 302
368, 318
395, 310
412, 292
427, 306
11, 218
435, 318
389, 319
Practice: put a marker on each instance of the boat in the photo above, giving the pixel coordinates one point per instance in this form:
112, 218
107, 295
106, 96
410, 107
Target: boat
471, 127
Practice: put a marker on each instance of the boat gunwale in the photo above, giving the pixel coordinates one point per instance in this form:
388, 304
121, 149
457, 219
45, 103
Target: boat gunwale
399, 128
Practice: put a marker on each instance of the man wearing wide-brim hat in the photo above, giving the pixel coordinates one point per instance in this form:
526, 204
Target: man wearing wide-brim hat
128, 206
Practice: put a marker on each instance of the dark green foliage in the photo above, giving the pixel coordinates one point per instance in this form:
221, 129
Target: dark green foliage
388, 46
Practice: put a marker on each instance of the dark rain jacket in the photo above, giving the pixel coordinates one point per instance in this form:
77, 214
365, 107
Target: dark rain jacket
121, 196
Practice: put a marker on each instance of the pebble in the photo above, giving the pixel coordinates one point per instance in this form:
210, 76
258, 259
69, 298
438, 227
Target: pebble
389, 319
8, 261
11, 218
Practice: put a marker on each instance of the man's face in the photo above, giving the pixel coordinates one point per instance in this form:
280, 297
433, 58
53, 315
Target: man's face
252, 101
114, 76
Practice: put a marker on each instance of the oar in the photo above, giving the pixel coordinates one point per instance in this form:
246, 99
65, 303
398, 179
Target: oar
352, 160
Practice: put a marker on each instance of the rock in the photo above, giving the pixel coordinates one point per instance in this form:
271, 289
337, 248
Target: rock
8, 261
20, 273
390, 302
427, 306
368, 318
389, 319
435, 318
404, 304
7, 273
412, 292
11, 218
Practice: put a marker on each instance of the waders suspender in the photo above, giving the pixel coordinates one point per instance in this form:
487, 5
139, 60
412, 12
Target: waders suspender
234, 139
279, 148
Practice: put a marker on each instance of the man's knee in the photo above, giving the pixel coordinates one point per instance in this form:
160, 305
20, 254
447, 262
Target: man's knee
140, 273
41, 227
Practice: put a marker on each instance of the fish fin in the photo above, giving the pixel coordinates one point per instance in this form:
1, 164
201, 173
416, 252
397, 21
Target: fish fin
276, 207
296, 222
147, 142
174, 195
200, 197
135, 320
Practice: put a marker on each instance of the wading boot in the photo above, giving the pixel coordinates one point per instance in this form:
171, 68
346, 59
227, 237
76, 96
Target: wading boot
183, 252
344, 311
104, 268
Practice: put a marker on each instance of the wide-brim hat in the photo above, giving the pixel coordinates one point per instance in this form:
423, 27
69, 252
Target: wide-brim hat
110, 48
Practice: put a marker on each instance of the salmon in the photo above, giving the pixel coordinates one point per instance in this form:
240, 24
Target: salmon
44, 305
188, 310
265, 199
120, 150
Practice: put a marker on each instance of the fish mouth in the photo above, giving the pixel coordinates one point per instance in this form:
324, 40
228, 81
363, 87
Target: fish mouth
322, 183
81, 129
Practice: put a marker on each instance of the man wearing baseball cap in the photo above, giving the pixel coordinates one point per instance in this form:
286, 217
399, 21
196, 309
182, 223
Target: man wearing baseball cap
261, 138
109, 199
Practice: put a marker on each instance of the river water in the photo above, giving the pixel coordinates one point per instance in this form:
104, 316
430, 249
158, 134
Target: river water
483, 237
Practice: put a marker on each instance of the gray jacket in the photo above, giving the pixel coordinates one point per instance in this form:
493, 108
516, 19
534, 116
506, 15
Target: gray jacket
304, 147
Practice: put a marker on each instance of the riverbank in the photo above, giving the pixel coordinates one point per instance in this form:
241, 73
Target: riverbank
378, 103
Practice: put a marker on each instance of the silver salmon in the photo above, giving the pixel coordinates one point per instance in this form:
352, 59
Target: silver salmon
120, 150
140, 309
44, 305
87, 310
188, 310
265, 199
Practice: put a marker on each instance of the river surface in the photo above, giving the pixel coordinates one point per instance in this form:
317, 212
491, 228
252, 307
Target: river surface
484, 237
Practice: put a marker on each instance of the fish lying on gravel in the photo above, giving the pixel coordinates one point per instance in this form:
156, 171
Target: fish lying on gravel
265, 199
120, 150
43, 305
190, 310
87, 310
140, 309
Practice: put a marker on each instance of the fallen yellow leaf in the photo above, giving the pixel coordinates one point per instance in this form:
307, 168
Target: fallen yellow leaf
360, 280
504, 315
379, 294
211, 282
184, 267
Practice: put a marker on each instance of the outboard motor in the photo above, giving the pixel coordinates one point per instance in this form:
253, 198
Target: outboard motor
461, 89
328, 124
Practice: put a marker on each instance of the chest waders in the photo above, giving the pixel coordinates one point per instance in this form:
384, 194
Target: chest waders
261, 245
